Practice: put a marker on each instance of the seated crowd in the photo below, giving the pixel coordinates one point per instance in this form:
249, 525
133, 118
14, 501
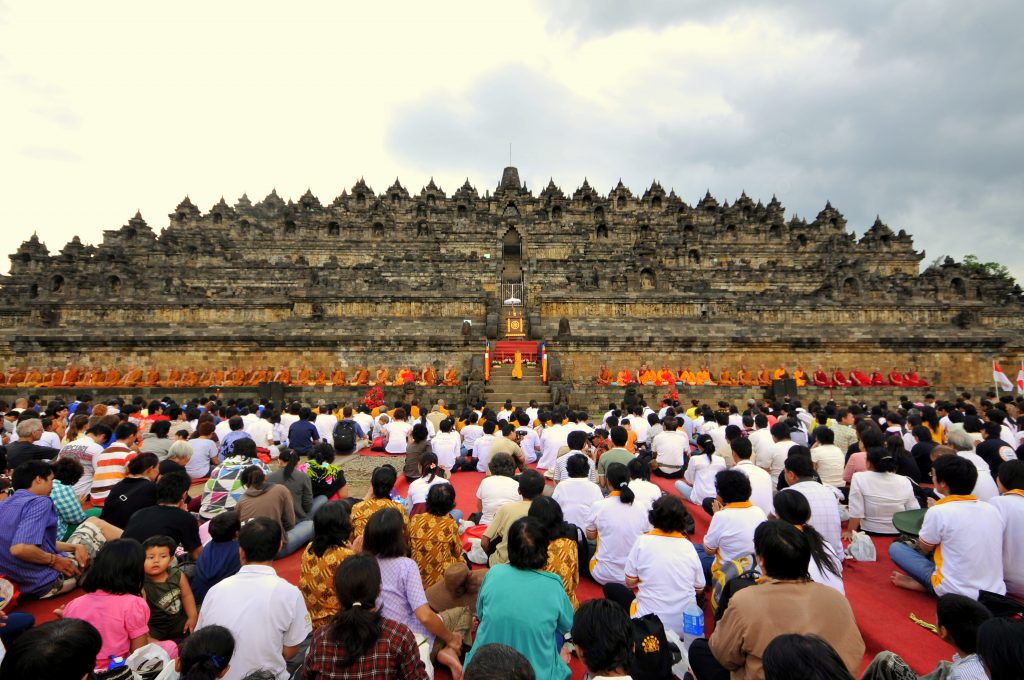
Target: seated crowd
763, 378
386, 587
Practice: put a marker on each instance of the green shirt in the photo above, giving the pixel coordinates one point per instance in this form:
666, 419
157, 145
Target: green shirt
613, 456
524, 609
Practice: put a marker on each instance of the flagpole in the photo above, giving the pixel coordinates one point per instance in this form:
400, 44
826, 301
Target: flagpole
995, 381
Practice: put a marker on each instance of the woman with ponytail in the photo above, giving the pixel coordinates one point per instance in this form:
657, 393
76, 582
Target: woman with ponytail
877, 494
358, 642
430, 475
825, 567
206, 654
618, 521
700, 473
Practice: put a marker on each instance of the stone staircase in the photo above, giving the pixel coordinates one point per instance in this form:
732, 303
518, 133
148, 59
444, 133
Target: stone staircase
502, 387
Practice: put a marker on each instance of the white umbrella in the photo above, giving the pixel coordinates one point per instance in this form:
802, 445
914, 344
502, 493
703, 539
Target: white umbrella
513, 301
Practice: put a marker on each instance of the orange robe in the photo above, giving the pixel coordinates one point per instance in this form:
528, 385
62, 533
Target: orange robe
284, 376
745, 377
667, 377
32, 378
648, 376
780, 374
429, 376
704, 378
405, 376
112, 378
451, 378
624, 379
362, 377
217, 378
604, 378
382, 377
338, 377
303, 378
764, 378
725, 378
16, 377
687, 377
800, 377
320, 378
173, 378
132, 378
152, 378
190, 378
70, 376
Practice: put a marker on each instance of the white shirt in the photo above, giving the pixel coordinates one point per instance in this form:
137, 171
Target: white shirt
552, 439
470, 433
530, 444
224, 427
262, 432
722, 447
504, 414
876, 496
577, 496
701, 474
493, 493
969, 552
640, 426
985, 488
325, 423
397, 431
365, 421
532, 412
760, 442
670, 573
827, 578
831, 462
731, 531
824, 511
761, 489
85, 451
446, 446
203, 452
646, 492
482, 451
261, 625
618, 525
1011, 510
50, 439
774, 459
419, 489
671, 447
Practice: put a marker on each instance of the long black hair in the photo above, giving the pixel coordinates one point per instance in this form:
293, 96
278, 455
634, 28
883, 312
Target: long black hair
119, 568
206, 653
356, 625
547, 510
290, 459
332, 527
792, 507
618, 480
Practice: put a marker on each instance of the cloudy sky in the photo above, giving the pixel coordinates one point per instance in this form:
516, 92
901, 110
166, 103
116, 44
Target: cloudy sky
910, 110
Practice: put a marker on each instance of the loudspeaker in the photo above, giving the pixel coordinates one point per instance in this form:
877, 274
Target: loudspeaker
272, 391
784, 388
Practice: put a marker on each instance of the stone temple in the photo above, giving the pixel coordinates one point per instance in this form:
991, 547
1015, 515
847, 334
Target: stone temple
398, 278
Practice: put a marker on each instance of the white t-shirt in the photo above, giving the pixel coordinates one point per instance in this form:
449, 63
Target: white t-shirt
646, 492
1011, 510
261, 625
732, 531
325, 423
671, 447
701, 474
876, 496
365, 421
262, 432
774, 459
969, 553
85, 451
831, 462
287, 420
824, 511
50, 439
482, 451
827, 578
618, 525
760, 442
640, 426
494, 492
397, 431
761, 489
577, 496
670, 573
446, 446
470, 433
419, 489
985, 488
722, 447
222, 428
552, 439
530, 444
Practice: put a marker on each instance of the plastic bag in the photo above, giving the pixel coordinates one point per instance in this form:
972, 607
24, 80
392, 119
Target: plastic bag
152, 662
861, 548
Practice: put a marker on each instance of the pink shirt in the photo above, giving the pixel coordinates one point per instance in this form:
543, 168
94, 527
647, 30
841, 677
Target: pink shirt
858, 463
118, 618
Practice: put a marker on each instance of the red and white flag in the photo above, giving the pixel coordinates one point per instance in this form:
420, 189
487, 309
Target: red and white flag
1000, 378
1020, 379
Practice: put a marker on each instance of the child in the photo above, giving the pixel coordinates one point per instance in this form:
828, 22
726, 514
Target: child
206, 654
219, 558
958, 618
112, 603
172, 608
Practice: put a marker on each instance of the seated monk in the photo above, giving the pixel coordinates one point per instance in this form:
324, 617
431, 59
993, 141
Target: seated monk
858, 378
132, 377
450, 376
303, 377
686, 377
256, 377
46, 380
320, 378
32, 378
112, 378
764, 378
405, 376
189, 379
821, 379
745, 377
913, 380
93, 378
217, 377
800, 377
780, 373
645, 376
604, 378
16, 377
666, 376
173, 378
725, 378
71, 376
877, 379
338, 377
704, 377
152, 378
3, 378
428, 376
234, 378
839, 380
624, 378
896, 378
362, 377
283, 375
382, 378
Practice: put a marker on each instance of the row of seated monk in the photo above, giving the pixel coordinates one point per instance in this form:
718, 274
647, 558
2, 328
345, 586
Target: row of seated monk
764, 377
73, 376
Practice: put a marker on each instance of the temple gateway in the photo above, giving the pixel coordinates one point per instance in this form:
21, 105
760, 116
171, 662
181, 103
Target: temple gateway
614, 279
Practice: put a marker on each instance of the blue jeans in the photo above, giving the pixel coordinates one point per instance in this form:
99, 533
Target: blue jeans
917, 566
706, 561
16, 624
685, 490
318, 502
456, 515
297, 537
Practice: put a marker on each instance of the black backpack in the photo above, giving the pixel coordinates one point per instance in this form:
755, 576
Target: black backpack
653, 655
582, 548
345, 437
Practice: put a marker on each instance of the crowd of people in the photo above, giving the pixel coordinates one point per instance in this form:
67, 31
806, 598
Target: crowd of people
164, 521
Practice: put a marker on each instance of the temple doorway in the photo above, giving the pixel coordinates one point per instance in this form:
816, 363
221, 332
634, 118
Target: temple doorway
512, 257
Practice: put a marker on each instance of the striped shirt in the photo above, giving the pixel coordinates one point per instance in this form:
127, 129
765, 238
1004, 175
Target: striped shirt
111, 468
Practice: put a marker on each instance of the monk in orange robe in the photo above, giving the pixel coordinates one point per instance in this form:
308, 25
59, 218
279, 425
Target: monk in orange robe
283, 375
3, 378
217, 377
781, 373
32, 378
111, 378
624, 378
451, 377
604, 378
405, 376
704, 377
152, 378
764, 378
16, 377
189, 379
320, 378
745, 377
338, 377
645, 376
71, 375
382, 377
687, 377
725, 378
45, 378
428, 376
173, 378
800, 377
666, 376
303, 378
132, 378
362, 377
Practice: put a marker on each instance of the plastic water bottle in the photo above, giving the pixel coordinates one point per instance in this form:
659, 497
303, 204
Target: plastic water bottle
115, 662
693, 623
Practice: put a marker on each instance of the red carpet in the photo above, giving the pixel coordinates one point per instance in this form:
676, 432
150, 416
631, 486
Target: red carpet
882, 610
